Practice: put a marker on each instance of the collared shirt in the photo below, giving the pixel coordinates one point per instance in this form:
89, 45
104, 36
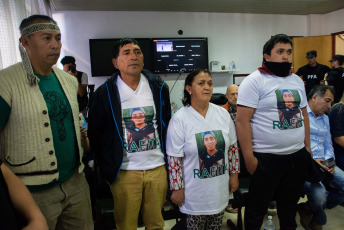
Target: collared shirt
321, 143
231, 110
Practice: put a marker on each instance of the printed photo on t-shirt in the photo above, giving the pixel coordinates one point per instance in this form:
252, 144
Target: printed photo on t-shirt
140, 132
210, 145
288, 105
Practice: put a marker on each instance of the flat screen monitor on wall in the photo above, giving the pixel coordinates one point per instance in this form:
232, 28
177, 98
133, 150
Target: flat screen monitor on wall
101, 55
173, 55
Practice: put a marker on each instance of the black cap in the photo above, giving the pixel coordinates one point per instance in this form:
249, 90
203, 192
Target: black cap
311, 54
337, 57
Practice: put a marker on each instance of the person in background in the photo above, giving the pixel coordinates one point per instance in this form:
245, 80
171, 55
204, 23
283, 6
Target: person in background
231, 107
136, 173
69, 66
17, 204
312, 73
275, 153
328, 193
335, 78
202, 193
39, 127
336, 117
232, 96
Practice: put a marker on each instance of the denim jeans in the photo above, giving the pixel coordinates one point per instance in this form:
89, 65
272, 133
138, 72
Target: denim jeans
319, 198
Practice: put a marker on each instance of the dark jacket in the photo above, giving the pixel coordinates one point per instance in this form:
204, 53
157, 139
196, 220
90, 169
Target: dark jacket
105, 122
9, 217
335, 78
312, 75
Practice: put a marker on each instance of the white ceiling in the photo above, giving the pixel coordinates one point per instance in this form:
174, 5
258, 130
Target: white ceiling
296, 7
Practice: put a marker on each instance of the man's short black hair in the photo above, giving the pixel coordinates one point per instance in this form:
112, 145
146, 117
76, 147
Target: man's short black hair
278, 38
34, 18
320, 91
68, 60
119, 44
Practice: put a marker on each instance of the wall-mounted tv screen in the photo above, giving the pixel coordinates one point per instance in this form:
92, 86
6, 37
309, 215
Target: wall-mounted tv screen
173, 55
101, 55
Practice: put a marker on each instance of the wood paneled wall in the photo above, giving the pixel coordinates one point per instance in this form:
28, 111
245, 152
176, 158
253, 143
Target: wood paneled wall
301, 45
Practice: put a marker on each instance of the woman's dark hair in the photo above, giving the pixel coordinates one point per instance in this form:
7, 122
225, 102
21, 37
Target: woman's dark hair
119, 44
188, 81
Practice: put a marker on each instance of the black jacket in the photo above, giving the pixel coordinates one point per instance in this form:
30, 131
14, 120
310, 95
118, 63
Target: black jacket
105, 122
312, 75
9, 217
335, 78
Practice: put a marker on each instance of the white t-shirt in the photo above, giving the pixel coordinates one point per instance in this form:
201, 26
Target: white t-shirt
206, 177
84, 79
277, 123
141, 138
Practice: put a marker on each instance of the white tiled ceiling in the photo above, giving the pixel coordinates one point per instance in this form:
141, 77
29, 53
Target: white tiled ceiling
296, 7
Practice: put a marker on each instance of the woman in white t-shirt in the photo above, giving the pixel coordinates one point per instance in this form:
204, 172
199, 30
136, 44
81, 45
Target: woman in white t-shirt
202, 151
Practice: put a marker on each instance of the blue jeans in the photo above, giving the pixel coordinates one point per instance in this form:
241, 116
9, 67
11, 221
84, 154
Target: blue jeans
319, 198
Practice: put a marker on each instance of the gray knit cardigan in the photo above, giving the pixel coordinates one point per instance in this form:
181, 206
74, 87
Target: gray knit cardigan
26, 141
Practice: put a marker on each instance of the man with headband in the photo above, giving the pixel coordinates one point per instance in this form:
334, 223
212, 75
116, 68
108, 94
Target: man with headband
39, 127
275, 152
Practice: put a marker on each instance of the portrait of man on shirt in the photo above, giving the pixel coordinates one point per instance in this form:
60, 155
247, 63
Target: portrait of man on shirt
211, 155
288, 108
140, 130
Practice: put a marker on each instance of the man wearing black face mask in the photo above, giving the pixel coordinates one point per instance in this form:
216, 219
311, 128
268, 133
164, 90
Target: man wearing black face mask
275, 147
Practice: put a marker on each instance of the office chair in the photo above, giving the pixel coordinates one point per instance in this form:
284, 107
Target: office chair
104, 219
218, 99
240, 196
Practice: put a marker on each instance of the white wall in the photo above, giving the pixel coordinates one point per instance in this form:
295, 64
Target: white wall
325, 24
238, 37
315, 25
334, 22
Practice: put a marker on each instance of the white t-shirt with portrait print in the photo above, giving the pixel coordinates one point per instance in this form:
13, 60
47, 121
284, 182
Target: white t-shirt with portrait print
275, 128
206, 189
142, 145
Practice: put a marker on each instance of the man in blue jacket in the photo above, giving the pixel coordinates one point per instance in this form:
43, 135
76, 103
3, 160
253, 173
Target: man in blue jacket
135, 170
